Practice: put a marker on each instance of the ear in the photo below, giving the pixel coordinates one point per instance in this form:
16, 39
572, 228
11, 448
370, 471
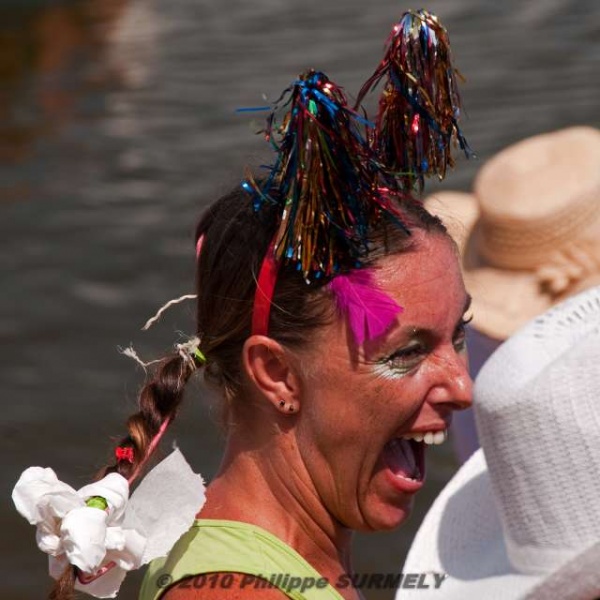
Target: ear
270, 368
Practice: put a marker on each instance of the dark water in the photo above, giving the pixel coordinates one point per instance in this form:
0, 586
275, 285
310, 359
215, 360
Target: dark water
117, 126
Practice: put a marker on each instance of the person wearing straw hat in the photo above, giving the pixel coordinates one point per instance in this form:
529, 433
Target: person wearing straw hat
521, 517
529, 237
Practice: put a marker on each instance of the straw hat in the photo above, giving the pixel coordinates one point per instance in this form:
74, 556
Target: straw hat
521, 518
530, 233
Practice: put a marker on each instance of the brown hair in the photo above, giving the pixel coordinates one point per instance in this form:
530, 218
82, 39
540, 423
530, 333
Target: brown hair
236, 238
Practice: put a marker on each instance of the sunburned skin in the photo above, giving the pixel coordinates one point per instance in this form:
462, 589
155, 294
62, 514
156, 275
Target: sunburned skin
408, 383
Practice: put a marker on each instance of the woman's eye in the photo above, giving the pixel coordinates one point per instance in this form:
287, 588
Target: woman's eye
460, 336
407, 358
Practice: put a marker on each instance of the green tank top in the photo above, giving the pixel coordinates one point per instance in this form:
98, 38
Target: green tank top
216, 546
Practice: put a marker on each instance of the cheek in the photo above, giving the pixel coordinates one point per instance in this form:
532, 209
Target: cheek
342, 419
399, 395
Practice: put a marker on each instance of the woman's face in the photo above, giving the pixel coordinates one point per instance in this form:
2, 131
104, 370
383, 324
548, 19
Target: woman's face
360, 404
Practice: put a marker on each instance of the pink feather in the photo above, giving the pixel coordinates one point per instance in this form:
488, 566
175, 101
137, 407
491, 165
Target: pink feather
369, 311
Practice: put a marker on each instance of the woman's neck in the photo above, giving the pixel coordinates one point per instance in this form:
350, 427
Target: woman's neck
271, 490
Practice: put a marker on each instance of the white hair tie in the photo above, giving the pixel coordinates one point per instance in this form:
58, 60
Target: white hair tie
102, 532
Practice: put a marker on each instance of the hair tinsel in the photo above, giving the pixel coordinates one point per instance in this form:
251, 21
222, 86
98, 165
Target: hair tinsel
419, 106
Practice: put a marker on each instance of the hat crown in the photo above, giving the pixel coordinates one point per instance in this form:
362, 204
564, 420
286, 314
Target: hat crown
538, 416
539, 195
540, 176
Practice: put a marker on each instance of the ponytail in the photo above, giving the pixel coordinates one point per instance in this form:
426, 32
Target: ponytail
159, 401
64, 586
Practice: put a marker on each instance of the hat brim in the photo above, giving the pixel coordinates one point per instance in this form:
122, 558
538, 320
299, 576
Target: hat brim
503, 300
579, 579
462, 537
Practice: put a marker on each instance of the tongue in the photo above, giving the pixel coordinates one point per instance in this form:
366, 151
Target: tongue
400, 458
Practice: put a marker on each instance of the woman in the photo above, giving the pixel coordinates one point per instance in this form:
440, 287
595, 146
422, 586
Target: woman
331, 318
318, 426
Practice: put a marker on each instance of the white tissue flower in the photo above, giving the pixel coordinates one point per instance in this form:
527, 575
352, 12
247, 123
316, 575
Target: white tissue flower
73, 533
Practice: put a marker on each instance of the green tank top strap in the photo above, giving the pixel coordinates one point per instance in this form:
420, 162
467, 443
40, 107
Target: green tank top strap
216, 546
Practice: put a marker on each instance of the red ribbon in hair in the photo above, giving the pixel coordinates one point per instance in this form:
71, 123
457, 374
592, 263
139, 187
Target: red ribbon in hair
265, 288
124, 453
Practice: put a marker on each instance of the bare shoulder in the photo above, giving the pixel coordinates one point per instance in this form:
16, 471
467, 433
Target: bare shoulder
223, 586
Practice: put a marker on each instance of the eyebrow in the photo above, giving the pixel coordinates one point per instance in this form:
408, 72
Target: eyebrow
411, 332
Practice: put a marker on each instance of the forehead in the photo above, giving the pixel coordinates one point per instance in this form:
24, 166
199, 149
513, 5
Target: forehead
426, 281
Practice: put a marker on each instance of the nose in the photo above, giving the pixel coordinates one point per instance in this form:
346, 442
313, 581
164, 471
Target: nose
453, 385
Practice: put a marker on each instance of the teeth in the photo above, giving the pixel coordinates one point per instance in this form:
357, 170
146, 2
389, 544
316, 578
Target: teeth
439, 437
434, 438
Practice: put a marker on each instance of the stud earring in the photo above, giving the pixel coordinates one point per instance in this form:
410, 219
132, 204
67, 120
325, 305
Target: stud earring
290, 406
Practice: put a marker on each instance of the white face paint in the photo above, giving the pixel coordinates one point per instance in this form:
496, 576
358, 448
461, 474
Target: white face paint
385, 370
408, 359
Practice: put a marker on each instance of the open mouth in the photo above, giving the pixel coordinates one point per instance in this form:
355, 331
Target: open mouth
405, 458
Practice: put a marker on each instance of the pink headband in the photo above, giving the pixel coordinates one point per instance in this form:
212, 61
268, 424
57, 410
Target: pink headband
199, 246
263, 297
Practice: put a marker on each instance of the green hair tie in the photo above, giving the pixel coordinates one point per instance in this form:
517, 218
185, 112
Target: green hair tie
200, 356
97, 502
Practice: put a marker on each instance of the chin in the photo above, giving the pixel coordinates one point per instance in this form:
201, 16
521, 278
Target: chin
386, 517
